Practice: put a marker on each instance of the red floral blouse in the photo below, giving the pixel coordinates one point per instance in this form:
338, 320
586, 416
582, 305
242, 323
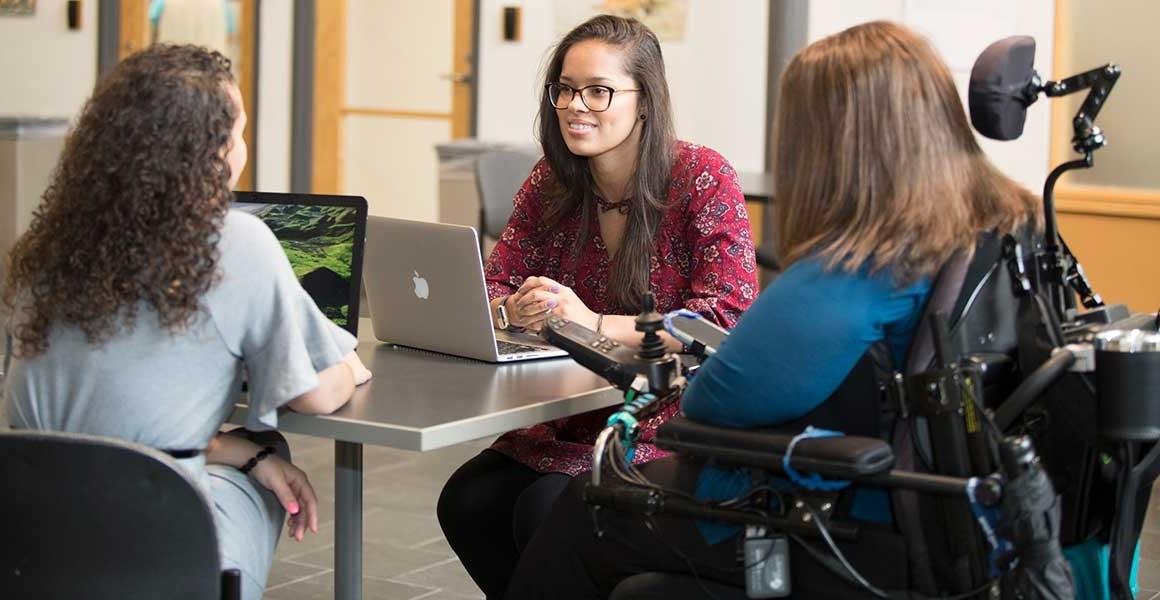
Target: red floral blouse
702, 260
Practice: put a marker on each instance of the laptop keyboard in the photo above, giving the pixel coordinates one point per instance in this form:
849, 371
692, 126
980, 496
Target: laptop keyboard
514, 348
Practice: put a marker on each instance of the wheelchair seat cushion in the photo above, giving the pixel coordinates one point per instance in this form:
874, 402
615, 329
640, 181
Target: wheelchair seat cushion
846, 456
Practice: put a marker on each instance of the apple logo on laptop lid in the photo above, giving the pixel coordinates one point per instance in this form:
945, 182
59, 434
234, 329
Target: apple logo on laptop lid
421, 289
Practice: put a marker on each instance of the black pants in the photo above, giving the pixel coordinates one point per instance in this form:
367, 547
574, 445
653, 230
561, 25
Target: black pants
489, 509
565, 559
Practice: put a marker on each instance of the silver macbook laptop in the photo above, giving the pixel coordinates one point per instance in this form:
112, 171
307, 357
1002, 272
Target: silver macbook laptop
425, 289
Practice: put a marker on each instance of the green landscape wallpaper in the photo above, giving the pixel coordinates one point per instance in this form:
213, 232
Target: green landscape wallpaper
319, 241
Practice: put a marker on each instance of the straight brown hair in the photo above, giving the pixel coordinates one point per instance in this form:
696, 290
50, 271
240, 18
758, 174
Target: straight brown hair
875, 161
574, 188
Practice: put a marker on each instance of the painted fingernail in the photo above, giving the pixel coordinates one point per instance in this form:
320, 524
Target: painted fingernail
551, 304
555, 289
293, 508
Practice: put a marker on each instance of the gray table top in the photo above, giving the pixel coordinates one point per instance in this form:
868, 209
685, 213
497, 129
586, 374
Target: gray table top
423, 400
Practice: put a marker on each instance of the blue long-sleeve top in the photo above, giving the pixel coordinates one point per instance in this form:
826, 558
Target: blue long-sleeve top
790, 351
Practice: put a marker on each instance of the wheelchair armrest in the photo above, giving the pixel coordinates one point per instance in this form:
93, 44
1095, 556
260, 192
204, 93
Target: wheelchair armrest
841, 457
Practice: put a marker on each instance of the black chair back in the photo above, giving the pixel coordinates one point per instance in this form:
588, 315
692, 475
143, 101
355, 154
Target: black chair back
499, 175
100, 518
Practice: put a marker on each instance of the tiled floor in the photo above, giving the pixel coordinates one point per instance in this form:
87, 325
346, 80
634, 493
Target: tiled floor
405, 555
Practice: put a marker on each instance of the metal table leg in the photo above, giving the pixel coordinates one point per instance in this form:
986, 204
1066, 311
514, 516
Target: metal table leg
348, 520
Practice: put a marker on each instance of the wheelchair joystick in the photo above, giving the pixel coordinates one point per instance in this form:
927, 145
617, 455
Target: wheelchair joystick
649, 322
660, 368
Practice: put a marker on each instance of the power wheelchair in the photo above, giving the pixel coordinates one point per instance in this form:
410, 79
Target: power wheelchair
1018, 425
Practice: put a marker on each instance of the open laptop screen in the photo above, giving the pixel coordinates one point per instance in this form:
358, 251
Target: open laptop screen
323, 237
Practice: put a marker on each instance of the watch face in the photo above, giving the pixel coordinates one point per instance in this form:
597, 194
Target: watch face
501, 313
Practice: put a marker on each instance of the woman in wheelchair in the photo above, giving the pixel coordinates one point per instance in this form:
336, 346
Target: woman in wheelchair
138, 297
879, 182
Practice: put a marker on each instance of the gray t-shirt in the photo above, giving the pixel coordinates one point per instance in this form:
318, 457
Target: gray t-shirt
173, 391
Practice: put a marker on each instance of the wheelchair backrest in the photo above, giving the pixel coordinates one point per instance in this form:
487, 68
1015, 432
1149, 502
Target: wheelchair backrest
974, 294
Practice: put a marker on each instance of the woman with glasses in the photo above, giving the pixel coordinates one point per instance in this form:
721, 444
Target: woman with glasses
616, 207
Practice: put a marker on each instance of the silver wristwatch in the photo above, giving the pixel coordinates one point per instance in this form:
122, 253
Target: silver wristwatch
501, 317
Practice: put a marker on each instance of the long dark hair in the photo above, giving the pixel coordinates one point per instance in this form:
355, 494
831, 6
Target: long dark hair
574, 186
135, 204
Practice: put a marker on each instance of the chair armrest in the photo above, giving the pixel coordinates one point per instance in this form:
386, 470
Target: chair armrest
767, 256
838, 457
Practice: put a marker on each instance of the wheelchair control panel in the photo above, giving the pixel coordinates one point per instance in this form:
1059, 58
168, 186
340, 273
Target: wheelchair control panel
605, 357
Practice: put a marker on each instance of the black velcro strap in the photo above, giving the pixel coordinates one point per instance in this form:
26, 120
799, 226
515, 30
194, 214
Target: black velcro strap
180, 454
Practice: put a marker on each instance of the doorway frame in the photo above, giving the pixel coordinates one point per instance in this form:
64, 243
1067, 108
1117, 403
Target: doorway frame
320, 100
120, 32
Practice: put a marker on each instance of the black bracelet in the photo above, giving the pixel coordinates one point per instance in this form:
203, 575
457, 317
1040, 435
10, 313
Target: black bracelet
253, 462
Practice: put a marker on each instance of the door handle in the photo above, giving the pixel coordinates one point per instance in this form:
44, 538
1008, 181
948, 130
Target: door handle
456, 77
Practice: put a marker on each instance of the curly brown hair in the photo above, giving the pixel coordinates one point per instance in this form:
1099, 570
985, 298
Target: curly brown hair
134, 207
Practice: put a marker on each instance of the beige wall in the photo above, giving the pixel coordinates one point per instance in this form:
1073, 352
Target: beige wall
717, 73
46, 69
275, 74
960, 30
1121, 32
1110, 214
1119, 255
396, 53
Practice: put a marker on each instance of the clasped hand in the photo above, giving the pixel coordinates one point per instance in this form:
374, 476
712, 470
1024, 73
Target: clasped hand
539, 298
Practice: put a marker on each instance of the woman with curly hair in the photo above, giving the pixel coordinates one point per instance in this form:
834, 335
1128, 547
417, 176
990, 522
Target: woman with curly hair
138, 298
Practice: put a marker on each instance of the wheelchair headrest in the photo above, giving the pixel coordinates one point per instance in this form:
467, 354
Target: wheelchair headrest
1003, 84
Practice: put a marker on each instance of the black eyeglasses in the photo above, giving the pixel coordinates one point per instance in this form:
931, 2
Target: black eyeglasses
597, 98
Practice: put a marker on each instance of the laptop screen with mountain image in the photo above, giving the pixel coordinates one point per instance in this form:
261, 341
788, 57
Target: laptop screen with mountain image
323, 238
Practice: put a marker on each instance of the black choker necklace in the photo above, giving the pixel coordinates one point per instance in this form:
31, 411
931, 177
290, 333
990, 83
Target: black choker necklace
620, 207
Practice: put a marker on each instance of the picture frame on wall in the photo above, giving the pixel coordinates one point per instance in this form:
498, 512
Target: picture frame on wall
17, 8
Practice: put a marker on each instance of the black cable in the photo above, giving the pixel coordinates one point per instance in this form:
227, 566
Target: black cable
689, 562
849, 574
617, 469
648, 523
753, 491
858, 578
1032, 387
844, 570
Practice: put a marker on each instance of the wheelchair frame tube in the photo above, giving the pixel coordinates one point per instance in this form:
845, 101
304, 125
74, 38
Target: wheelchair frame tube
634, 499
919, 482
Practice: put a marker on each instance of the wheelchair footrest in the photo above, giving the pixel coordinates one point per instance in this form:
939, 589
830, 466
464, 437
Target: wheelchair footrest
838, 457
